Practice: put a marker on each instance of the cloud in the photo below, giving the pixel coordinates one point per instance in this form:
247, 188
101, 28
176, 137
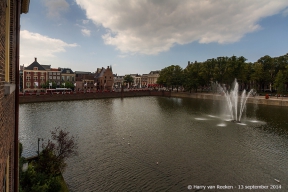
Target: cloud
36, 45
285, 12
85, 21
153, 26
55, 7
85, 32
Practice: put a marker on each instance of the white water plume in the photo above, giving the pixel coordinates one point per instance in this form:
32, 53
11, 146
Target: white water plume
232, 99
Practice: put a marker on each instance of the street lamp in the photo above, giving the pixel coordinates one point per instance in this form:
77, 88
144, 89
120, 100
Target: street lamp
38, 144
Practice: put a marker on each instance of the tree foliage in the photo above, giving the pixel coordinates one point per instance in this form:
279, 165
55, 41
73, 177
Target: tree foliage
260, 75
44, 174
128, 79
171, 76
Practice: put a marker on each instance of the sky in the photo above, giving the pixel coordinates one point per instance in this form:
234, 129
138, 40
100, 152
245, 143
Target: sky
139, 36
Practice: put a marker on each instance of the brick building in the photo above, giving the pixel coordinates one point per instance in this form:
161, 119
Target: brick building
34, 76
84, 81
104, 78
10, 11
54, 75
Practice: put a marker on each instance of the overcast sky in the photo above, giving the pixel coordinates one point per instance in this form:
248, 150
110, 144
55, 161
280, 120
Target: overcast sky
137, 36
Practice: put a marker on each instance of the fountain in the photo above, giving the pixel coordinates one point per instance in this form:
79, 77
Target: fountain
235, 104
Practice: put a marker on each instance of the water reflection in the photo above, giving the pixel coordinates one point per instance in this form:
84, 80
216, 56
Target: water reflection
188, 138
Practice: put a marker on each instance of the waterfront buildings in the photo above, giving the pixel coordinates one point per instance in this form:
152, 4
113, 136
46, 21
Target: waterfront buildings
10, 11
152, 77
34, 76
84, 81
104, 78
118, 80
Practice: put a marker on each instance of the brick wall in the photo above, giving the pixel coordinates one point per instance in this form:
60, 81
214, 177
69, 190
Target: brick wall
7, 103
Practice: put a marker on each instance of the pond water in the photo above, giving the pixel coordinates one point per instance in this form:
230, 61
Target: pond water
163, 144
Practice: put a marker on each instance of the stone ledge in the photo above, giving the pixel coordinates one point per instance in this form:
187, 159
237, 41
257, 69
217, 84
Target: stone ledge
9, 88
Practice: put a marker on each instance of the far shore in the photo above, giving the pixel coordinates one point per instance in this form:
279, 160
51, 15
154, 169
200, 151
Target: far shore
273, 100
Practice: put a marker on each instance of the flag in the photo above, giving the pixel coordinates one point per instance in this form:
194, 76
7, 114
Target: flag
36, 84
63, 84
75, 84
50, 84
85, 84
95, 84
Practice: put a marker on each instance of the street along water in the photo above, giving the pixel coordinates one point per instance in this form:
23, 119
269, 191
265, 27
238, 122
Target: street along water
173, 143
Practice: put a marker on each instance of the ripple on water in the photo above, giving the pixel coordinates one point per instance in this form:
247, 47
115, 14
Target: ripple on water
182, 138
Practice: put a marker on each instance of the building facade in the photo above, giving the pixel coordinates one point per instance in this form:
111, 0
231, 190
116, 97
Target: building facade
144, 80
85, 81
153, 77
104, 79
10, 11
118, 81
34, 77
67, 76
54, 76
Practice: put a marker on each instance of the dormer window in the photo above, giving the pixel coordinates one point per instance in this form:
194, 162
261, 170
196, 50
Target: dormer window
67, 71
35, 68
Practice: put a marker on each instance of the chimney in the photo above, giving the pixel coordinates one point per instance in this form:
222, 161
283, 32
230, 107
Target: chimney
35, 59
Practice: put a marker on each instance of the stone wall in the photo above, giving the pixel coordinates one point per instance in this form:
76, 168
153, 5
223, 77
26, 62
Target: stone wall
259, 99
83, 96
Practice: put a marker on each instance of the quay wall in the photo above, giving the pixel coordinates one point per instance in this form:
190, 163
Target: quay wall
84, 96
101, 95
258, 99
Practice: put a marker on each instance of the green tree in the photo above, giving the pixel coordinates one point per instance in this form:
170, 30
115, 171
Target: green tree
171, 76
68, 84
279, 83
128, 79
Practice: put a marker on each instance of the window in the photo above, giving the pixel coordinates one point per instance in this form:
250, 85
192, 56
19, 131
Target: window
42, 78
50, 73
58, 77
42, 73
62, 78
28, 78
54, 77
50, 77
28, 73
54, 73
68, 78
35, 78
35, 68
35, 73
67, 71
28, 84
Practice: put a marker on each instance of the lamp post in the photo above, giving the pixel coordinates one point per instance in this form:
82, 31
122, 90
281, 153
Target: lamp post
38, 145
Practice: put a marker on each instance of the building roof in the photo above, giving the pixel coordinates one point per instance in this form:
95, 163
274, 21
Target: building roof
154, 72
67, 71
47, 67
99, 73
82, 72
54, 69
35, 64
